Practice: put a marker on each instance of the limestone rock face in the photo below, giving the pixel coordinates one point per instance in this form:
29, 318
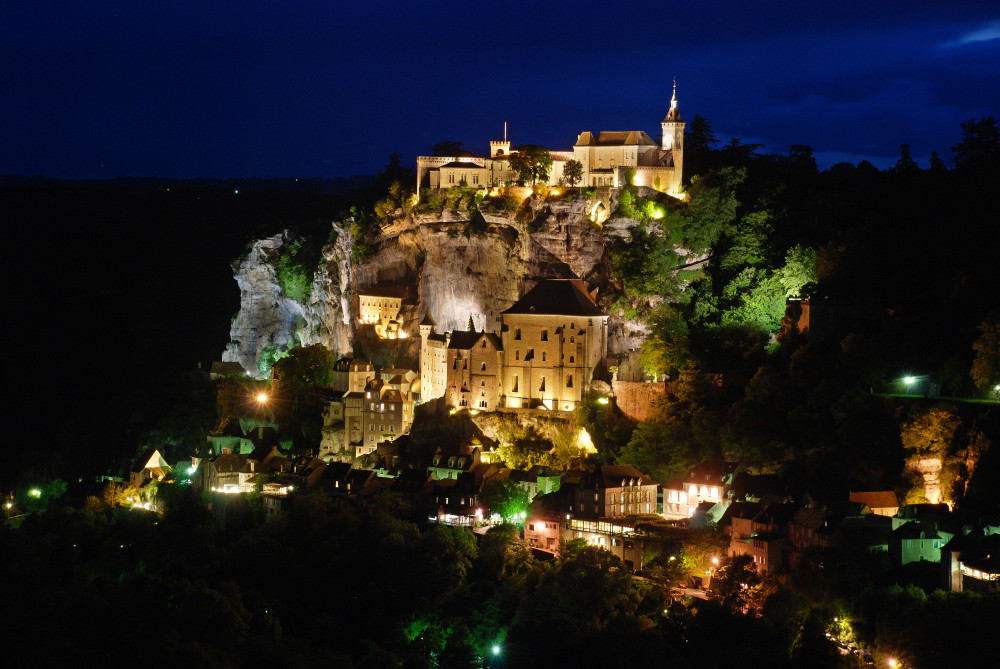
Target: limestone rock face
455, 265
266, 317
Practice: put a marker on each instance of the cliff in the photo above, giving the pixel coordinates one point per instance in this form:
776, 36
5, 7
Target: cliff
456, 264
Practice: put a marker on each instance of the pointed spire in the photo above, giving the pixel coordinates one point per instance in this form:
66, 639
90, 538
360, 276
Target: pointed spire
472, 327
673, 98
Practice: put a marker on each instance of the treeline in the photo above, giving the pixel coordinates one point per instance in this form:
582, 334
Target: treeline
899, 271
335, 583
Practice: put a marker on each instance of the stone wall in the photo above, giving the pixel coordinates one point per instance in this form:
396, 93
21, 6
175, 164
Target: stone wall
635, 399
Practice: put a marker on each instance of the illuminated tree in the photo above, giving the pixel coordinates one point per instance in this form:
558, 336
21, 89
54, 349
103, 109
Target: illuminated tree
531, 162
930, 433
985, 370
506, 498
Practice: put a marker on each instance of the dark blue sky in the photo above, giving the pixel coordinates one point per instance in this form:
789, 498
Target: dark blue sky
324, 89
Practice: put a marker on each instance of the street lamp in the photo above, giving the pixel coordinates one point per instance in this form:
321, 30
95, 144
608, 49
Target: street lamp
262, 398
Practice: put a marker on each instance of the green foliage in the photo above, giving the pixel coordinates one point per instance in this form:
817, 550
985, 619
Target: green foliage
930, 433
295, 268
269, 355
573, 172
681, 431
531, 162
506, 498
985, 370
666, 348
646, 265
303, 369
359, 248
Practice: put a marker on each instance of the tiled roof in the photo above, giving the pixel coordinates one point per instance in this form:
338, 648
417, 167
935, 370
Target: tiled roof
876, 499
465, 340
557, 297
615, 138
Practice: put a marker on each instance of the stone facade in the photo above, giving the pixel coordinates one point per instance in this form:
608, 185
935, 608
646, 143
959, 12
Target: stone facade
604, 156
552, 341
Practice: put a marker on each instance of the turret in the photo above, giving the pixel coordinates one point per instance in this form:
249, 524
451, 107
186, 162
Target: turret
673, 141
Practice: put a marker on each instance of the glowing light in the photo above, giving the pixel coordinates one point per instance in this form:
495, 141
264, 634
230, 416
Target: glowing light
496, 650
909, 379
9, 505
892, 662
715, 561
35, 492
584, 442
262, 398
657, 213
602, 400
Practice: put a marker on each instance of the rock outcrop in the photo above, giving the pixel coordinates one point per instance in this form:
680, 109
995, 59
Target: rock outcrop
456, 265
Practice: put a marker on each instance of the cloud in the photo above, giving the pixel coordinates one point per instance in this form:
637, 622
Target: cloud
987, 33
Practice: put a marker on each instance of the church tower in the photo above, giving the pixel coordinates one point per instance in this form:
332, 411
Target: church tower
673, 139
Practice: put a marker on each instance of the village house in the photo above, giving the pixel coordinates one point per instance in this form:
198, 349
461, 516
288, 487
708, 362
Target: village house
708, 481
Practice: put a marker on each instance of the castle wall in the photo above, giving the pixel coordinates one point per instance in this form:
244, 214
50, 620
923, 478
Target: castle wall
635, 398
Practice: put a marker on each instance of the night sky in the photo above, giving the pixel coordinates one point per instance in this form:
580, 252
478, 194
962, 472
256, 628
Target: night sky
325, 89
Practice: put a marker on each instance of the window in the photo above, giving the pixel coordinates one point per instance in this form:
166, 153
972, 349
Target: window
571, 359
483, 367
517, 354
545, 335
514, 385
572, 339
484, 344
517, 333
541, 386
543, 356
569, 381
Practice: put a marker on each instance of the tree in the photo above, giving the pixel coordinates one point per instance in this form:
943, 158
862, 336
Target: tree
906, 162
985, 370
734, 584
573, 172
303, 369
980, 144
446, 149
531, 162
937, 164
929, 433
506, 498
699, 143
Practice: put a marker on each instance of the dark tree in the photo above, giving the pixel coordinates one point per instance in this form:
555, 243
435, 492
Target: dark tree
531, 162
573, 172
447, 148
980, 145
905, 162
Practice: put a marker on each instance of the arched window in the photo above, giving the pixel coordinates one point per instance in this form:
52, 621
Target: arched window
541, 386
517, 333
545, 335
514, 384
517, 354
569, 381
484, 367
543, 356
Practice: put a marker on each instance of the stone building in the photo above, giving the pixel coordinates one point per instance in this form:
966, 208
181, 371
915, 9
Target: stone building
604, 157
433, 360
380, 307
473, 370
552, 342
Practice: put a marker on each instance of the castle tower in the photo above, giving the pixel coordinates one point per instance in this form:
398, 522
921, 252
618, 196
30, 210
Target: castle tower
673, 140
498, 148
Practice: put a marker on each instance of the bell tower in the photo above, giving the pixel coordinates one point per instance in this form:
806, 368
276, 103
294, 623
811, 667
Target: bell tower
673, 141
